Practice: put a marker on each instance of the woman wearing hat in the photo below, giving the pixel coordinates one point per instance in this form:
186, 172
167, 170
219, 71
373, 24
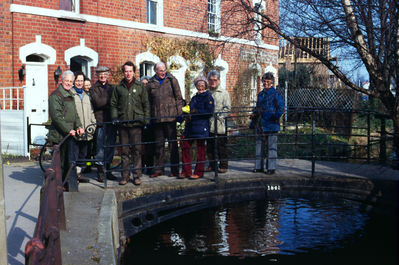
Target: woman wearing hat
197, 128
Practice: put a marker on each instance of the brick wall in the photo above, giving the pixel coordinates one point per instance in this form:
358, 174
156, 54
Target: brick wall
114, 44
6, 58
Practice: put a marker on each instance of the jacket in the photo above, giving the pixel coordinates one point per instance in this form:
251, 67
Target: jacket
86, 115
202, 106
129, 104
63, 114
269, 107
100, 99
165, 99
222, 107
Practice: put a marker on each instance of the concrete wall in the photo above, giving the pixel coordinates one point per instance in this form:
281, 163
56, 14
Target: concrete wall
13, 132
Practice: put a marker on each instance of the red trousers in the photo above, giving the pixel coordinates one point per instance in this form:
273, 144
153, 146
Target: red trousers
186, 158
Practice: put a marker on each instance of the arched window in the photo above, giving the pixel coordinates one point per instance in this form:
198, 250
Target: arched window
79, 63
147, 69
34, 58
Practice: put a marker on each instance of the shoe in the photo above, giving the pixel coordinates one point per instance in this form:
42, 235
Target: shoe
173, 175
257, 170
194, 177
136, 181
209, 169
156, 174
222, 170
270, 171
110, 176
183, 176
82, 179
124, 181
100, 177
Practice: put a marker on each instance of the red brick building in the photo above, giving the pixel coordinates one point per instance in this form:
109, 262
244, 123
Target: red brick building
83, 34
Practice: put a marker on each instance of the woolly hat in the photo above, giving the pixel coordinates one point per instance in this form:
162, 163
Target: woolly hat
201, 78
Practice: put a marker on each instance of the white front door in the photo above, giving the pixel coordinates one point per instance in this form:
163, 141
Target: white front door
36, 99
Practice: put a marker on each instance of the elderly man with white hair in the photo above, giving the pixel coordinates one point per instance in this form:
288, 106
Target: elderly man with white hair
166, 104
64, 118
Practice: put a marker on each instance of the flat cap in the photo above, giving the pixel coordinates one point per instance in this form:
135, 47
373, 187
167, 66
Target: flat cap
102, 69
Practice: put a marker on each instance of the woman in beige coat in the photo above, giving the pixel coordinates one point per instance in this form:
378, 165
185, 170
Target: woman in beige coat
86, 116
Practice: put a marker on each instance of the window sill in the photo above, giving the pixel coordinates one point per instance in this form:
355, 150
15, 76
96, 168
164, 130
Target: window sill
67, 15
214, 34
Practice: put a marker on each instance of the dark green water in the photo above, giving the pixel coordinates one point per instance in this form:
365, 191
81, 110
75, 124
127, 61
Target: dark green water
286, 231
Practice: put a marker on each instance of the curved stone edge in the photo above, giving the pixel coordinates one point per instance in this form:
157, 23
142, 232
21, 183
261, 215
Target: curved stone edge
108, 229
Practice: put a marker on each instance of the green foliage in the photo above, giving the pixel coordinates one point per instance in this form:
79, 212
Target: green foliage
326, 145
191, 50
303, 76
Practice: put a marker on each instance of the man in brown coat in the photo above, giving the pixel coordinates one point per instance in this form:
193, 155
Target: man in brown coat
100, 94
166, 104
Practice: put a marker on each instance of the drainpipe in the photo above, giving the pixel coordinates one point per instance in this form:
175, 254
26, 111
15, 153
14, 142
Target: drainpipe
3, 231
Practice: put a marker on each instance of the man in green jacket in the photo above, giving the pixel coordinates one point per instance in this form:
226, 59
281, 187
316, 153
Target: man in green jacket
64, 119
129, 102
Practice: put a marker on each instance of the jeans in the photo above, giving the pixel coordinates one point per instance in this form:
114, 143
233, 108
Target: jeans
266, 144
106, 136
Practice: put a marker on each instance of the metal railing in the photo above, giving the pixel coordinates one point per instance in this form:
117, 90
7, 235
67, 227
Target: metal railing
308, 133
305, 135
12, 98
45, 246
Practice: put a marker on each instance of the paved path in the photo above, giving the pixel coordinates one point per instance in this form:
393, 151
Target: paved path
79, 242
22, 183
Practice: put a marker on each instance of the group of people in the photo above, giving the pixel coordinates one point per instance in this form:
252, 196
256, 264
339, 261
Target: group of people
148, 110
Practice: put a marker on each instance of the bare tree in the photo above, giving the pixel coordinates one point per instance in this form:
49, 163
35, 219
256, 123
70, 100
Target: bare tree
364, 32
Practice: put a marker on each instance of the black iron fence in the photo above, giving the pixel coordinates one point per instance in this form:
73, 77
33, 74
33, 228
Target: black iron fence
307, 133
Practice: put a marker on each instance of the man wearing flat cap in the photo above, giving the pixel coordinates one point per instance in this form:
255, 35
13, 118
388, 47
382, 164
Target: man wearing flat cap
106, 134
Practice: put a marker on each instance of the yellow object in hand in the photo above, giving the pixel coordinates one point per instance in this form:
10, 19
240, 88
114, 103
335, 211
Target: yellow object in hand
186, 109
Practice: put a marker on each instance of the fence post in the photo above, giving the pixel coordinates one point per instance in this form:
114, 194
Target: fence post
73, 177
285, 105
313, 141
215, 148
296, 135
368, 138
383, 146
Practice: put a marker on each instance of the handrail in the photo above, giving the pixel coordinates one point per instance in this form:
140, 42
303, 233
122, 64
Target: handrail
45, 246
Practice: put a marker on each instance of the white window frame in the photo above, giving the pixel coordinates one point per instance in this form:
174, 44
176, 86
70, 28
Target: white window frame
214, 10
75, 7
159, 12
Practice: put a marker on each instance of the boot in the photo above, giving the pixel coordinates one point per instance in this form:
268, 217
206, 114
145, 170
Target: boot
109, 174
81, 178
100, 173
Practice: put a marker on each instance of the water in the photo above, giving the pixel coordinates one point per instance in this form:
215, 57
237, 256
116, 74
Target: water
286, 231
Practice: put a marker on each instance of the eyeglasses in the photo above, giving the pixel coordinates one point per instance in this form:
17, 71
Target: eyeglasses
213, 80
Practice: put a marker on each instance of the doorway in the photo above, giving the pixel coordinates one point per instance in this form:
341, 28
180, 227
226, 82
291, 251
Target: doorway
36, 99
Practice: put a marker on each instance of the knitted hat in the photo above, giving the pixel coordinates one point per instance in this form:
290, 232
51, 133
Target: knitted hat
201, 78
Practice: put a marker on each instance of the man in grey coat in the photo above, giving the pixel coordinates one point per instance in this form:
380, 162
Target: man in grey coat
222, 108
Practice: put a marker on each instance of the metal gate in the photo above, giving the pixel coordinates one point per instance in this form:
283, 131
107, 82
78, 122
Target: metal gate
13, 121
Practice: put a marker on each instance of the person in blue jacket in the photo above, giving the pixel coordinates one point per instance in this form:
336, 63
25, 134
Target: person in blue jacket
266, 118
202, 106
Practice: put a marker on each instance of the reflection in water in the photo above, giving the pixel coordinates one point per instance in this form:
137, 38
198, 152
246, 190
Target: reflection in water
264, 231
